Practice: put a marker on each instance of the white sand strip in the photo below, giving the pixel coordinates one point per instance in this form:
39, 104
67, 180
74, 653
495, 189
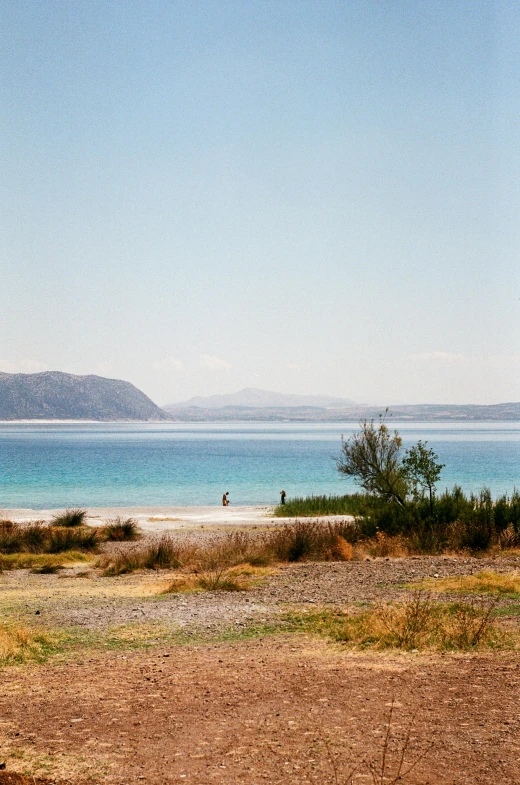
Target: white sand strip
159, 519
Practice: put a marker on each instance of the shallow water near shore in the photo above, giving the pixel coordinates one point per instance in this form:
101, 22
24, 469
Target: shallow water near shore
45, 466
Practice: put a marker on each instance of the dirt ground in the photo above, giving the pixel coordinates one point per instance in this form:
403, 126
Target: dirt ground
275, 708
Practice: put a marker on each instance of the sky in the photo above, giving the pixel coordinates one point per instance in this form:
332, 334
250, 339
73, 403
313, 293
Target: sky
309, 197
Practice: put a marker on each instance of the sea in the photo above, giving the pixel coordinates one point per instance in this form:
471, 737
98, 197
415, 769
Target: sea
55, 465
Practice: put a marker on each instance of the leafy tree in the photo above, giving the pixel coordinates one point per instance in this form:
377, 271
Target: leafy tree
372, 458
421, 469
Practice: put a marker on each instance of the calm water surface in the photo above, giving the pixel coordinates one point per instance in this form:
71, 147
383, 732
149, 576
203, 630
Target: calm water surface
121, 464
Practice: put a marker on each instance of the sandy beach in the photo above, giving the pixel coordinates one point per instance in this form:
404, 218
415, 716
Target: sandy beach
158, 519
161, 519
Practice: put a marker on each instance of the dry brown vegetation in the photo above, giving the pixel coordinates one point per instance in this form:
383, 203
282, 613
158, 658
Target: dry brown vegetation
307, 540
18, 644
418, 624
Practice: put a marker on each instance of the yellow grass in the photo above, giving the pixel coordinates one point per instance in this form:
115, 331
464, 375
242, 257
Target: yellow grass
22, 561
18, 644
484, 582
420, 624
239, 578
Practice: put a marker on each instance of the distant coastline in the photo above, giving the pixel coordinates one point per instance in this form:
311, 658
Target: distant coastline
508, 412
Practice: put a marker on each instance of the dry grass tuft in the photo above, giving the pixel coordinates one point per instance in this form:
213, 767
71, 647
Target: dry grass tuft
341, 550
121, 529
17, 644
382, 545
164, 553
70, 518
218, 578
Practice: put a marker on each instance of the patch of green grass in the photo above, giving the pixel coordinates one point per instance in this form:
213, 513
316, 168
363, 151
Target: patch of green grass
507, 610
484, 582
76, 642
417, 624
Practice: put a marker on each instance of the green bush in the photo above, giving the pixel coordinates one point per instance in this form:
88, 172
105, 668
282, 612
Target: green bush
454, 521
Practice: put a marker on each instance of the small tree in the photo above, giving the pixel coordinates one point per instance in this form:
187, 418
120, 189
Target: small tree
372, 458
422, 470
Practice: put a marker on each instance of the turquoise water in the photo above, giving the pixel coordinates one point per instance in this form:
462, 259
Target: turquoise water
121, 464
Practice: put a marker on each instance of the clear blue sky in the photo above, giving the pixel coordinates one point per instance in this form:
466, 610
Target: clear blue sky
310, 197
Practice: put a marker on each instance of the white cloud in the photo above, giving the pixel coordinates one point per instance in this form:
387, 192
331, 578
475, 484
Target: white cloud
214, 363
169, 364
447, 358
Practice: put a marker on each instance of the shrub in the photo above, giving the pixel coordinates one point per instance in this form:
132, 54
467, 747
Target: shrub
70, 518
34, 537
219, 578
82, 538
11, 538
453, 521
121, 529
312, 540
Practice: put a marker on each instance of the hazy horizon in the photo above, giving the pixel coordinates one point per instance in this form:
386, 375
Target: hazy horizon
320, 198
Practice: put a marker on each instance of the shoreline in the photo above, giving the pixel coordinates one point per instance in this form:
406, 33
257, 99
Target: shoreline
162, 519
159, 518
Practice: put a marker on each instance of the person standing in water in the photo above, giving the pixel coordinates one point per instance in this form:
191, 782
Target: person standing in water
225, 500
282, 497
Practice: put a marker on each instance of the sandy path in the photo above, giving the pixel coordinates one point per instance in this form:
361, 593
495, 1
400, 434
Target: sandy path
273, 711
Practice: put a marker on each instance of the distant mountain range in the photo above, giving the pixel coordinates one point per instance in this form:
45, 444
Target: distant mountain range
251, 405
63, 396
253, 398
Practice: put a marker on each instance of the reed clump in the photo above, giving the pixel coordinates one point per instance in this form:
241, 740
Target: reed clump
312, 540
120, 529
312, 506
70, 518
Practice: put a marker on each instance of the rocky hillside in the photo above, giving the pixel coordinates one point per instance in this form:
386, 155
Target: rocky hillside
63, 396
